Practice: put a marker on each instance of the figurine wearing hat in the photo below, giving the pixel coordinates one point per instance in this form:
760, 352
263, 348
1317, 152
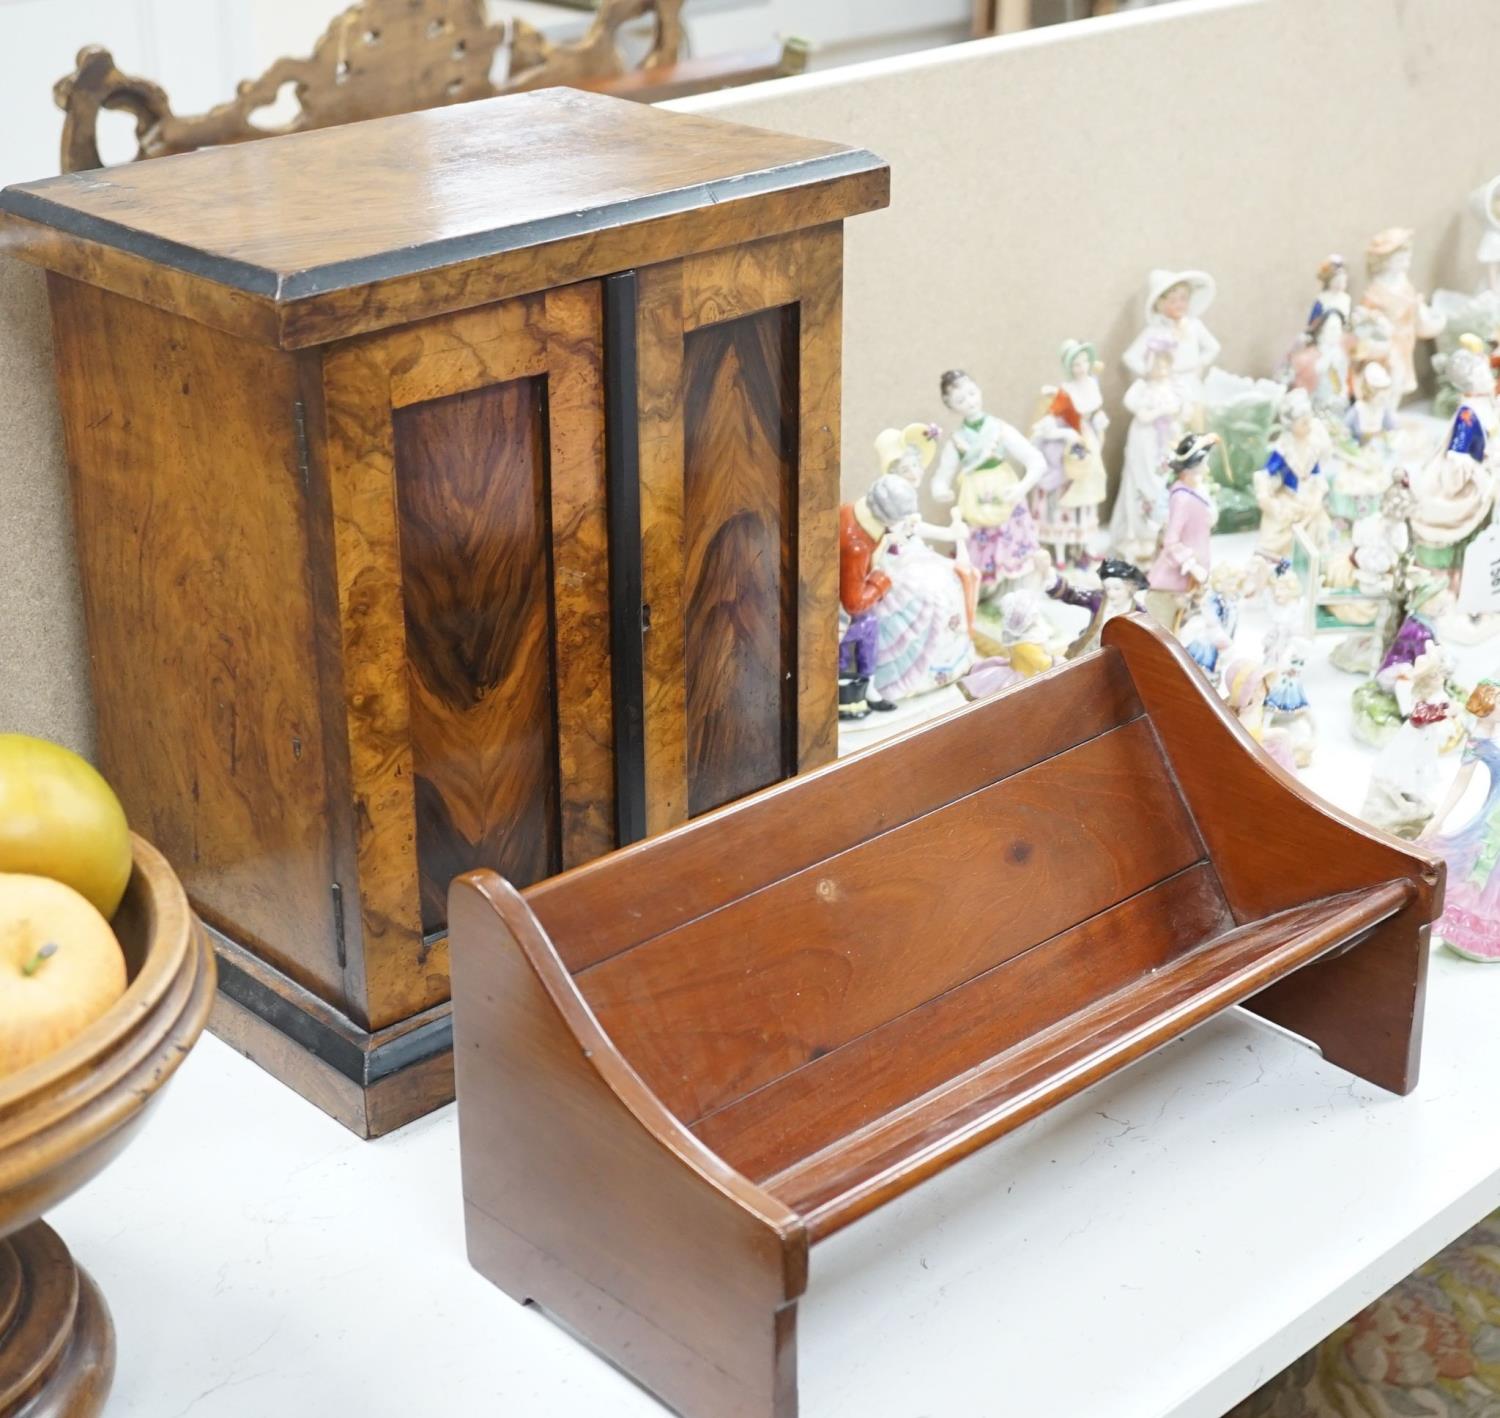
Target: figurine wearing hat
1116, 589
1181, 567
1175, 304
1070, 434
1392, 294
978, 466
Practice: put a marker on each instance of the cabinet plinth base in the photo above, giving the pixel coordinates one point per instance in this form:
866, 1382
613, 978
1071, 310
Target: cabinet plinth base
372, 1082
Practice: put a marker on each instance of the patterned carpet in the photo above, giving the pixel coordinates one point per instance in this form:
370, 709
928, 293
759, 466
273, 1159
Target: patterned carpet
1429, 1348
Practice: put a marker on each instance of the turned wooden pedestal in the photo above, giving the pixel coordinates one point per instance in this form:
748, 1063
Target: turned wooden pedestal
62, 1119
455, 490
57, 1342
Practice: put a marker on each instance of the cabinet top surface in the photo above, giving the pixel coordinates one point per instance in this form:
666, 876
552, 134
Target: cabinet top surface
293, 218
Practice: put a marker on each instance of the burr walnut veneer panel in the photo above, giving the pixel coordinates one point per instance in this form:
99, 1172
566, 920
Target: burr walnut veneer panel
740, 586
471, 480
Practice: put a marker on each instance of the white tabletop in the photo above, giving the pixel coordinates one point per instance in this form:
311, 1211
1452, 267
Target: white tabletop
1152, 1249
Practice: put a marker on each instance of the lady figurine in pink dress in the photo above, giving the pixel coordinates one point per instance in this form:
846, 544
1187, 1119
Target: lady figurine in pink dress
1470, 924
1181, 567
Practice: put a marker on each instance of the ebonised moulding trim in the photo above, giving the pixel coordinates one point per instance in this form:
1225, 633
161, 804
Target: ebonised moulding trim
317, 1027
407, 261
626, 567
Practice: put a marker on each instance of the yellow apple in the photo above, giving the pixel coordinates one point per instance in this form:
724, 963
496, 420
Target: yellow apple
60, 967
59, 818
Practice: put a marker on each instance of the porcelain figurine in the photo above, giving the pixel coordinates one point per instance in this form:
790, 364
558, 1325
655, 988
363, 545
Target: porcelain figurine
1070, 435
1391, 292
1470, 923
1208, 632
978, 467
1472, 319
1486, 204
1370, 337
1377, 565
907, 451
1370, 421
1455, 490
1402, 795
1030, 642
906, 609
1381, 540
1118, 589
1182, 566
861, 587
1363, 459
1321, 364
1176, 302
1285, 604
1376, 703
1287, 706
1291, 488
1247, 681
923, 619
1155, 404
1204, 637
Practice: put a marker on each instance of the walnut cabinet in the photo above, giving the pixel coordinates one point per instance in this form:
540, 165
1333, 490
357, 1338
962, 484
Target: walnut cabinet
453, 490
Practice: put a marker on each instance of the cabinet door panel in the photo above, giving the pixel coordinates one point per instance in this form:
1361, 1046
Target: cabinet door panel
740, 593
738, 358
466, 463
471, 483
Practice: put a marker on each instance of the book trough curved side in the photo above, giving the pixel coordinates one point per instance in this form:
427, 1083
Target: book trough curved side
1276, 845
584, 1195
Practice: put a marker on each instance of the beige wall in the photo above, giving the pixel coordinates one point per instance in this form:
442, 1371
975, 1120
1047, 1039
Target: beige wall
43, 662
1036, 178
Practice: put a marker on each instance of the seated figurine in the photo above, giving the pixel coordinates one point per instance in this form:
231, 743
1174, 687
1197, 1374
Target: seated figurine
1455, 491
1208, 632
909, 608
1247, 680
1364, 460
1291, 488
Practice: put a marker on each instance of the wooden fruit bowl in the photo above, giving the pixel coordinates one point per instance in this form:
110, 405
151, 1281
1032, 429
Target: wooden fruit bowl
62, 1119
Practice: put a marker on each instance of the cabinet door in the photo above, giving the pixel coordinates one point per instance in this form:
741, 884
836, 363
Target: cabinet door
468, 485
738, 355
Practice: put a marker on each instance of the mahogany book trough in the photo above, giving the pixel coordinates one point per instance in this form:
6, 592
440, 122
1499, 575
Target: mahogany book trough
683, 1064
